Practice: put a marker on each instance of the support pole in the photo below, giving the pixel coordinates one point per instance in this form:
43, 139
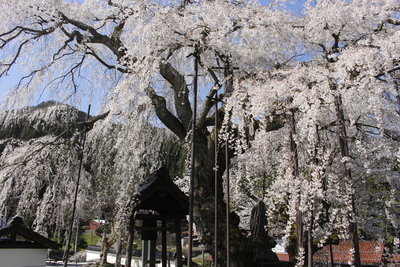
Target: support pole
228, 221
228, 71
164, 243
216, 184
66, 251
193, 155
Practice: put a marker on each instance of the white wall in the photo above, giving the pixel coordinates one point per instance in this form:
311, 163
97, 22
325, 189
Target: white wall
23, 257
94, 256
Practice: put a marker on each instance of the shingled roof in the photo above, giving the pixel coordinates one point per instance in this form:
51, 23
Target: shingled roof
370, 253
32, 239
161, 194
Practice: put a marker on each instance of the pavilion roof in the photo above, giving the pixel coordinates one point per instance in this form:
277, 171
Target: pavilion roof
162, 195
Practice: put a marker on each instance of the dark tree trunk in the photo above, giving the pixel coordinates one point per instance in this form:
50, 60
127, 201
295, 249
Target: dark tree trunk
204, 162
295, 161
259, 239
204, 204
344, 148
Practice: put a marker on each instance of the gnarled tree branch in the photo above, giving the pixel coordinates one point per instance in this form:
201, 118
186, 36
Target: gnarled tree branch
181, 92
166, 117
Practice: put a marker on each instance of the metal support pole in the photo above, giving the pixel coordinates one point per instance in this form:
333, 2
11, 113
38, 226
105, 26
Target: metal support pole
66, 251
228, 88
216, 184
193, 155
228, 221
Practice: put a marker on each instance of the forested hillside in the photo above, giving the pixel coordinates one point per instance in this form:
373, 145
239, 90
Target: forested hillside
47, 118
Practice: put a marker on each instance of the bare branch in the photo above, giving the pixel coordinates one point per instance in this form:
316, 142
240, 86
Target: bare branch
108, 66
393, 21
36, 34
206, 107
114, 43
378, 76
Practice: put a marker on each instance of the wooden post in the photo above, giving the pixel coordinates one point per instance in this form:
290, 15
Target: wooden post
145, 250
178, 242
131, 230
152, 253
164, 243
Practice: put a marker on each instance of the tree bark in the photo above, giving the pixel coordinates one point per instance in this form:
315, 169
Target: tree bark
105, 248
204, 162
344, 148
299, 214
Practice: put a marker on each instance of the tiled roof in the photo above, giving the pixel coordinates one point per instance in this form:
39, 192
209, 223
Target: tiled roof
394, 258
370, 253
282, 256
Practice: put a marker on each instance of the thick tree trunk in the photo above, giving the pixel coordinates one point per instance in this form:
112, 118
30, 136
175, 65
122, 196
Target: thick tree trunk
344, 148
204, 204
259, 239
204, 176
299, 214
242, 253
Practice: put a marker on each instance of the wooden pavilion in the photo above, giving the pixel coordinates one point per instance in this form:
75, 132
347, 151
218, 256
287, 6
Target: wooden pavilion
155, 203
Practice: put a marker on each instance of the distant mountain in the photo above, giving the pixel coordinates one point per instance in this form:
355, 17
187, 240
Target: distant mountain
47, 118
32, 122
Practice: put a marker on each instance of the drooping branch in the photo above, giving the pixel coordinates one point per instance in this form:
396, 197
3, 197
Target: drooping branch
19, 30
